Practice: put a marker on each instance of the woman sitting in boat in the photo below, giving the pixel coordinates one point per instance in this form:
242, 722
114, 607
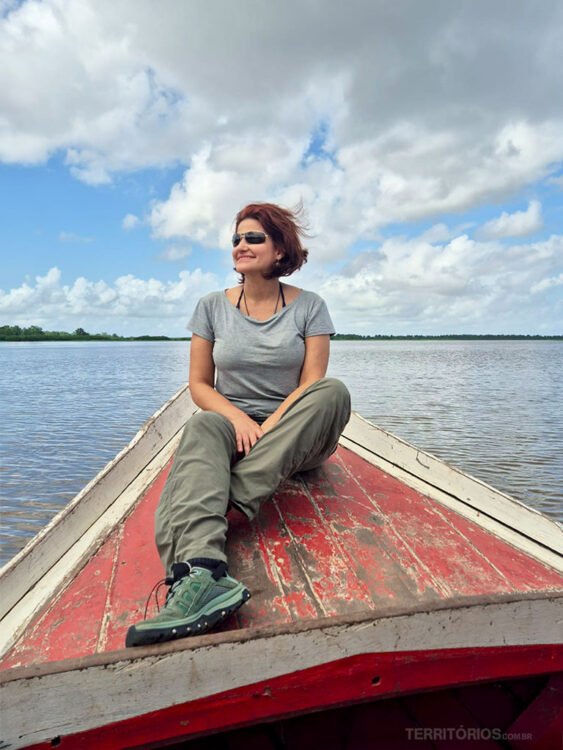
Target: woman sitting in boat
270, 413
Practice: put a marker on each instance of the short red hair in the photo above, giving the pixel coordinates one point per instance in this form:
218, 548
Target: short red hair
285, 227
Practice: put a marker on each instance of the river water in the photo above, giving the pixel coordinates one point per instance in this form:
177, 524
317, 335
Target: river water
491, 408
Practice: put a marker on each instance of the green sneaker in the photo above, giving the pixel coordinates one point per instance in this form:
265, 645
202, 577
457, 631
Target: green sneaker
196, 602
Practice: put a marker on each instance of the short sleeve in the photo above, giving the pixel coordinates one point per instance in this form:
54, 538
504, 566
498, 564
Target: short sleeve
318, 321
201, 321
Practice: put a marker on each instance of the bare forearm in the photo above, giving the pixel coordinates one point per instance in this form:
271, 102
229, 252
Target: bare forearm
285, 404
208, 399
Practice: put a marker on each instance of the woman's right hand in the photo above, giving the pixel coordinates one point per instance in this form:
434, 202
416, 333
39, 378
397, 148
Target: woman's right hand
248, 432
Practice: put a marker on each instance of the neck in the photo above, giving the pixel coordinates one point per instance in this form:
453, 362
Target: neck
258, 289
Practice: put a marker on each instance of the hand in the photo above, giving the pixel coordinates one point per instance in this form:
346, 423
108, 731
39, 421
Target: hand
248, 432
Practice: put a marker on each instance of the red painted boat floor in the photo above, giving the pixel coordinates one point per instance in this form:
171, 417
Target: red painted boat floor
343, 539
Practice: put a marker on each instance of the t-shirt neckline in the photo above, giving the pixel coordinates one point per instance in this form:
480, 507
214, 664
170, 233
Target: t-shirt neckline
255, 320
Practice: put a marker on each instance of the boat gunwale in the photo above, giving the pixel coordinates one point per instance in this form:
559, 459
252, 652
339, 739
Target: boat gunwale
548, 548
45, 540
243, 635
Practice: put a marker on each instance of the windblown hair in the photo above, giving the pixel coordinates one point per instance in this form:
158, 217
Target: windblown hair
286, 228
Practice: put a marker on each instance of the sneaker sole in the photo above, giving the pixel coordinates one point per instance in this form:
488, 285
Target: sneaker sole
198, 626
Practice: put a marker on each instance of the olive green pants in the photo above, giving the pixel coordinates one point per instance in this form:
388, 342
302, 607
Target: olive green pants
205, 476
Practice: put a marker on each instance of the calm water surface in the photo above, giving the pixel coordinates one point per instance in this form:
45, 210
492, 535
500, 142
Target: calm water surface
491, 408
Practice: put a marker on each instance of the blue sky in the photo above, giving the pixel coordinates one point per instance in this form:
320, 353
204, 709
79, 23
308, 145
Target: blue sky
427, 149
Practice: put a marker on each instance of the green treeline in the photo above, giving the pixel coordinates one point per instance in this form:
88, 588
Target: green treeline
449, 336
35, 333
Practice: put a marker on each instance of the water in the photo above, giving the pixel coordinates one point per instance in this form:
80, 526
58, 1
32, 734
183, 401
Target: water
494, 409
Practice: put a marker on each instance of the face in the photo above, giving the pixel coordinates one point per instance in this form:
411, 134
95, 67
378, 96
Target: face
249, 258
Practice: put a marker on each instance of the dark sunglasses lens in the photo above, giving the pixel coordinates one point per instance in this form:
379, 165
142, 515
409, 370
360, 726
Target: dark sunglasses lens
236, 240
255, 238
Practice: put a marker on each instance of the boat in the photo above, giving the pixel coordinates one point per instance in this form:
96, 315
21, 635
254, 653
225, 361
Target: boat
396, 603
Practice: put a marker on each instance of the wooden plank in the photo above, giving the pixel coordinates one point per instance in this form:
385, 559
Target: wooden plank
285, 569
384, 725
405, 652
328, 730
46, 549
47, 588
70, 626
509, 519
137, 569
251, 562
385, 551
249, 738
527, 689
540, 726
318, 558
493, 704
446, 722
460, 554
367, 547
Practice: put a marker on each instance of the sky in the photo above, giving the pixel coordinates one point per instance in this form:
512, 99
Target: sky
424, 140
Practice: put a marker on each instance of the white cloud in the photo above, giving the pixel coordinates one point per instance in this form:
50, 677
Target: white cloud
462, 285
414, 116
517, 224
401, 285
75, 238
420, 117
175, 253
549, 283
101, 304
130, 221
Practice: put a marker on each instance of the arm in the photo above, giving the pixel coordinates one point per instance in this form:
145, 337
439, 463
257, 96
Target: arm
202, 381
317, 350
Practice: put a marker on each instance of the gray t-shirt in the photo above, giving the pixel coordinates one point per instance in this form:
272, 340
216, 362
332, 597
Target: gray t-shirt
258, 362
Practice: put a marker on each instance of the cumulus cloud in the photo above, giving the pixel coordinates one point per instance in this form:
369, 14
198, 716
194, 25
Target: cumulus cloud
517, 224
422, 284
549, 283
49, 299
461, 285
370, 115
130, 221
421, 113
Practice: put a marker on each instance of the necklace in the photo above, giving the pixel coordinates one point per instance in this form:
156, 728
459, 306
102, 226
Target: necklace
246, 303
243, 297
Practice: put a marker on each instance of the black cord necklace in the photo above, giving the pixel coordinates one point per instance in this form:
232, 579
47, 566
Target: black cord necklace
243, 297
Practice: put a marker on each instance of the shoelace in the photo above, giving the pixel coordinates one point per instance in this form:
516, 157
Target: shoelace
179, 571
156, 590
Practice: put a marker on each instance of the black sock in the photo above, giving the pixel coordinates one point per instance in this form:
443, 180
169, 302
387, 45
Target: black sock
217, 567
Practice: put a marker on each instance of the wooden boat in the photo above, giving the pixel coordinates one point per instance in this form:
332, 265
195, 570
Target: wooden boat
397, 603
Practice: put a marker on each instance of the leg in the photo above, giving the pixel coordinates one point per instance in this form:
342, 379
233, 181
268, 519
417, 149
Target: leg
304, 437
190, 519
191, 523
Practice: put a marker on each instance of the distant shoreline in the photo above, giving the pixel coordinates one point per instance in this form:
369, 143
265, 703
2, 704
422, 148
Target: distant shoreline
35, 333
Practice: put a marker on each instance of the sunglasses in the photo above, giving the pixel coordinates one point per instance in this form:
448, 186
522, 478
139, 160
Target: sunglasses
252, 238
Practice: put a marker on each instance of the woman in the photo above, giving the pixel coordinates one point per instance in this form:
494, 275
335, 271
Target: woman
270, 413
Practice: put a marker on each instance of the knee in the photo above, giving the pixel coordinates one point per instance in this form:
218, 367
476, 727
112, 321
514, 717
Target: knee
336, 392
207, 421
